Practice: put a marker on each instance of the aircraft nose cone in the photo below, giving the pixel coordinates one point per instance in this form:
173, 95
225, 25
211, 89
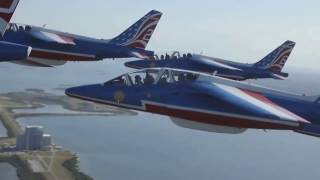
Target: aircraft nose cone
75, 92
83, 92
71, 91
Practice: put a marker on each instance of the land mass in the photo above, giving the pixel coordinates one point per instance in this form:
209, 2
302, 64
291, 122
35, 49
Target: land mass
51, 164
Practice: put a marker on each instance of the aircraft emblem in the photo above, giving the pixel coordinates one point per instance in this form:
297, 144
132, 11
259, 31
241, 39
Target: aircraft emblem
119, 96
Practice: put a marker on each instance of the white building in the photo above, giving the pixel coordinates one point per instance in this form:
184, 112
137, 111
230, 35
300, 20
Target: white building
33, 139
46, 141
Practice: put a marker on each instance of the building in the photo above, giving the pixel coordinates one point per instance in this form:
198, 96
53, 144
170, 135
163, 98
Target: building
33, 139
46, 141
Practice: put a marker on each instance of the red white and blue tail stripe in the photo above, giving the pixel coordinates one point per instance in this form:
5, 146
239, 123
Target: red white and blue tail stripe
7, 8
276, 60
139, 34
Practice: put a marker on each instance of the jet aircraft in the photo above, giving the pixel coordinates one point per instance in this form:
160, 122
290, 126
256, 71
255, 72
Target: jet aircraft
54, 48
269, 67
208, 103
10, 51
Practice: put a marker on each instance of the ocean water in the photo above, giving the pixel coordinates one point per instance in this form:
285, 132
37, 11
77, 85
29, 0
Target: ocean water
149, 146
8, 172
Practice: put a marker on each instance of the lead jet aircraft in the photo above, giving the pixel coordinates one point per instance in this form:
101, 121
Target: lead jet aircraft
53, 48
207, 103
269, 67
10, 51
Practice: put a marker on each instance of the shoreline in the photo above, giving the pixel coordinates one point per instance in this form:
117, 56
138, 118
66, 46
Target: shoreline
65, 164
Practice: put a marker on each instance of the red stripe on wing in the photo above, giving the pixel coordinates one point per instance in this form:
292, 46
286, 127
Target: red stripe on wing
269, 102
213, 119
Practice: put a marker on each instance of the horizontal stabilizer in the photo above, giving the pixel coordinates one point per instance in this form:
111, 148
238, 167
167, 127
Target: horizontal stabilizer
310, 129
282, 76
141, 53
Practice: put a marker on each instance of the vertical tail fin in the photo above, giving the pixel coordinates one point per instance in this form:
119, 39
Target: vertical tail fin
276, 60
7, 8
139, 34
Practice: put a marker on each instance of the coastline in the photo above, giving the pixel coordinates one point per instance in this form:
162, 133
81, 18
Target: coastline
56, 163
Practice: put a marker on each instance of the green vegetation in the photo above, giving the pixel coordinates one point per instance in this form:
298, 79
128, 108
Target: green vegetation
73, 166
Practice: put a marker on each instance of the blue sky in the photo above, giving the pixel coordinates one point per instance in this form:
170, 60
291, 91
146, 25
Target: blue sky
244, 30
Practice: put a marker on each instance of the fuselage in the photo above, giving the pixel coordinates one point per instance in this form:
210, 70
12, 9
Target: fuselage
183, 100
240, 71
63, 46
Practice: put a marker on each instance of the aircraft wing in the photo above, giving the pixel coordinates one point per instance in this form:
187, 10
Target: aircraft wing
52, 37
257, 105
211, 62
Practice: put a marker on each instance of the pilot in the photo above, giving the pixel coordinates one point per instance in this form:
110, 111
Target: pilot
164, 79
167, 57
28, 28
181, 77
184, 56
21, 28
149, 79
138, 80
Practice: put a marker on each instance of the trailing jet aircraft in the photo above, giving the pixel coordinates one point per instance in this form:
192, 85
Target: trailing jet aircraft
53, 48
207, 103
10, 51
269, 67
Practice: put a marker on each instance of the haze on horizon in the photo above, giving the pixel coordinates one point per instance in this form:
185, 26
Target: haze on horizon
243, 32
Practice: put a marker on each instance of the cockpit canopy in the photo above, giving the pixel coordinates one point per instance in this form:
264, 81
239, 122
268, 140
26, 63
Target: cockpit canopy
153, 77
18, 27
171, 55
